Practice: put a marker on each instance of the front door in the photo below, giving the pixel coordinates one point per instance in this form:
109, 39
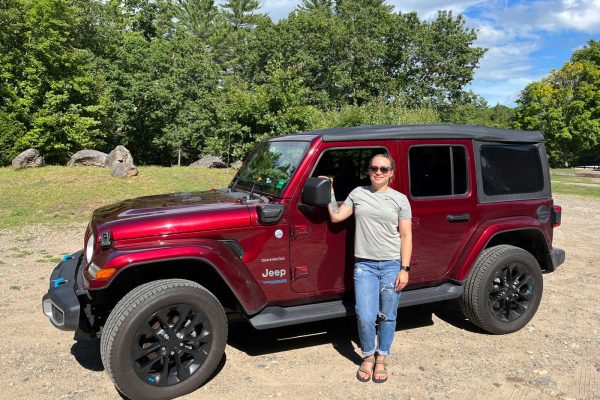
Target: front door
321, 252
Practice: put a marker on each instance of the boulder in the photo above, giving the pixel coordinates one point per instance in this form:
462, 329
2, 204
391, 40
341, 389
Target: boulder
122, 170
209, 162
121, 163
120, 155
30, 158
87, 158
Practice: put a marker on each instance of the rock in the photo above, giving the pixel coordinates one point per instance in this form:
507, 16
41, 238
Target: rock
209, 162
120, 155
121, 163
30, 158
237, 164
87, 158
422, 368
122, 170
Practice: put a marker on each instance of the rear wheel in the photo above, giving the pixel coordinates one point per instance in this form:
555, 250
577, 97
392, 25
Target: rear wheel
503, 289
163, 339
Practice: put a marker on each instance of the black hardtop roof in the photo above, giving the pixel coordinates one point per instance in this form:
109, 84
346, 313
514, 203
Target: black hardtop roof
382, 132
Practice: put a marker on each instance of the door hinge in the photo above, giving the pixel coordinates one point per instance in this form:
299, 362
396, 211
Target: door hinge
299, 272
299, 231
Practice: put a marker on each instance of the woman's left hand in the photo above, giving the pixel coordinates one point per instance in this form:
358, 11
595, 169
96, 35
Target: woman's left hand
401, 280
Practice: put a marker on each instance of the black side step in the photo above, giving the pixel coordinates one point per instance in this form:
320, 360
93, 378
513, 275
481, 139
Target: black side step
272, 317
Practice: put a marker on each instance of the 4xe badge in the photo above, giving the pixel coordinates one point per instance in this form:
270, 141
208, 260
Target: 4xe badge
274, 273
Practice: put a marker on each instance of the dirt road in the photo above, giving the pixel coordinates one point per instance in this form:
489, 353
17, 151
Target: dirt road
436, 353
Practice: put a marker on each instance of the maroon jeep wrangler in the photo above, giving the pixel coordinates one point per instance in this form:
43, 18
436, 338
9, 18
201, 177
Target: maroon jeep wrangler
159, 275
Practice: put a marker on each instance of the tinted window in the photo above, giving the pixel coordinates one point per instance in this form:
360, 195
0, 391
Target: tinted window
511, 169
438, 171
347, 167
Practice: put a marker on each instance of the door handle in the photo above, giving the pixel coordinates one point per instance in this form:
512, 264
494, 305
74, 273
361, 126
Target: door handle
458, 218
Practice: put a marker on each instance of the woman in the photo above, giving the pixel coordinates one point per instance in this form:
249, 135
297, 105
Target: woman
382, 249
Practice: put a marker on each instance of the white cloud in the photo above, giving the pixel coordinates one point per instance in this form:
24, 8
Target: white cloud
580, 15
513, 34
547, 15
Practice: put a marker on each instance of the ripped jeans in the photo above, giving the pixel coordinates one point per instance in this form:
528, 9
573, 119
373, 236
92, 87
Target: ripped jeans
376, 301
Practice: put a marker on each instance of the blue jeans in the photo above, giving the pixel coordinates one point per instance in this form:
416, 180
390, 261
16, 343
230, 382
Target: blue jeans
376, 300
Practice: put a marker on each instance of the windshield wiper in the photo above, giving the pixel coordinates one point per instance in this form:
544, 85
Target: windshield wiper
235, 183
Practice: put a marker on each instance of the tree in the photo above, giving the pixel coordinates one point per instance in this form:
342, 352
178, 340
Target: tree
432, 61
590, 53
474, 110
53, 99
258, 111
312, 5
565, 107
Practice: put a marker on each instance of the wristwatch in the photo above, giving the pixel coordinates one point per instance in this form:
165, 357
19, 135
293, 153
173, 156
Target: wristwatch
405, 267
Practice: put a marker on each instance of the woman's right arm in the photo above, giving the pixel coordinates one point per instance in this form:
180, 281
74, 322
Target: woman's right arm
337, 213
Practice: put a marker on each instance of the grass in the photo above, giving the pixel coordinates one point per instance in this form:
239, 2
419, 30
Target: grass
56, 195
561, 183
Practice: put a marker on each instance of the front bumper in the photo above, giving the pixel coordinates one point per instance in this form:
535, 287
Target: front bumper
62, 303
555, 258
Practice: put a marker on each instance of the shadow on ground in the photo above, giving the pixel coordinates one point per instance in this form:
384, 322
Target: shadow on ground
341, 333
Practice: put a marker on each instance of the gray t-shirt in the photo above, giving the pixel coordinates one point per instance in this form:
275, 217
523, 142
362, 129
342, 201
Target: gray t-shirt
377, 215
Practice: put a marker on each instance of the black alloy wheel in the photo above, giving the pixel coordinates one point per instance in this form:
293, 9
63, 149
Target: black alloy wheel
503, 289
171, 345
510, 293
163, 339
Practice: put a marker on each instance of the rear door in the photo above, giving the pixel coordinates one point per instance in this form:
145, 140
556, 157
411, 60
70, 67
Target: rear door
443, 197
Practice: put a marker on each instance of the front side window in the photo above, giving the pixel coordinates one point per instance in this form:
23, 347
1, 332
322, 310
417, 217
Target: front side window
511, 169
347, 167
438, 171
269, 168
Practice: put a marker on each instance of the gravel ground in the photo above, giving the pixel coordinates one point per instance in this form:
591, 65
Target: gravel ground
436, 353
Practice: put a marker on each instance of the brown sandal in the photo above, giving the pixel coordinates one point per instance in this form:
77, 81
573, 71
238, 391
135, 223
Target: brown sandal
369, 371
380, 371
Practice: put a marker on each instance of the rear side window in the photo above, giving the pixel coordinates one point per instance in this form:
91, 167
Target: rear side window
511, 169
438, 171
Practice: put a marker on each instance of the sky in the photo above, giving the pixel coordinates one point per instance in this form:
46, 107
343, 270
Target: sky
525, 39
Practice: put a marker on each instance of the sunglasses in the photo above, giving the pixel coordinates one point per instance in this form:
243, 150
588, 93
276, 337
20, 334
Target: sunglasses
384, 170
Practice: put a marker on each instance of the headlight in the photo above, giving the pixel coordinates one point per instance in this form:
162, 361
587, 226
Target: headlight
93, 270
89, 248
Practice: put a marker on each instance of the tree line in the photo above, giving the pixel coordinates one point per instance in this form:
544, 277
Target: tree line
169, 78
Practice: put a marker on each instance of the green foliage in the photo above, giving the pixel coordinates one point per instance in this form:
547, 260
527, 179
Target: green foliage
378, 112
163, 92
51, 94
474, 110
565, 107
191, 77
258, 111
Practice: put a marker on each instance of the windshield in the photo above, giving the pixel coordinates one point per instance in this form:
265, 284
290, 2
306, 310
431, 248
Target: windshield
269, 168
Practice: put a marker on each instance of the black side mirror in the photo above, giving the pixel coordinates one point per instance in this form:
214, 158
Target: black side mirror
317, 192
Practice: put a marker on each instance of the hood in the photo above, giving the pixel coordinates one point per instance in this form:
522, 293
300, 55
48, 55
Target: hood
171, 213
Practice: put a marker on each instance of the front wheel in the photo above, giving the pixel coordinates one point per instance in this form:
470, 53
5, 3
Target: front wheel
503, 289
163, 339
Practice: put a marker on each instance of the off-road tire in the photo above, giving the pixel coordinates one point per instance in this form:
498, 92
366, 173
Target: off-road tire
132, 314
485, 290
